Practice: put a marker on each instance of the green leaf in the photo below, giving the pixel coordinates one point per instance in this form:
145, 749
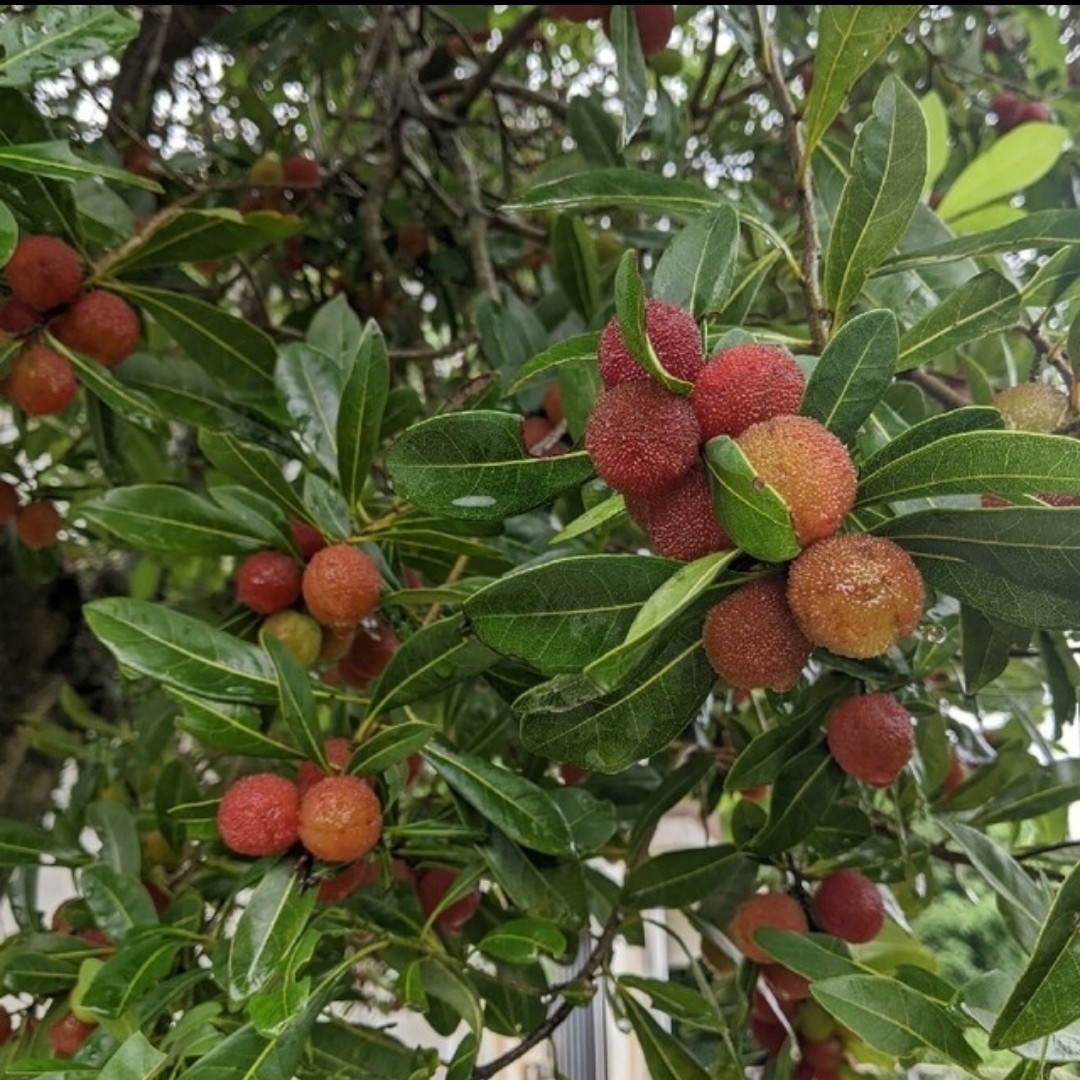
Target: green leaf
803, 791
938, 146
539, 893
567, 719
256, 469
22, 844
762, 760
517, 806
751, 511
310, 384
363, 404
1007, 463
135, 1059
559, 616
126, 978
181, 651
674, 786
986, 645
592, 822
576, 266
855, 369
665, 1057
236, 729
430, 661
1053, 279
160, 517
894, 1018
880, 196
578, 349
815, 956
680, 1002
612, 508
272, 923
594, 131
238, 355
48, 40
473, 466
296, 696
677, 879
1033, 793
697, 269
389, 745
523, 941
925, 432
1009, 164
119, 836
985, 305
119, 902
630, 66
55, 161
104, 385
850, 39
9, 233
348, 1049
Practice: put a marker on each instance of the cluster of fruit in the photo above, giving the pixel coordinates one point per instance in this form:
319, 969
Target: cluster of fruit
45, 276
37, 522
1010, 112
654, 21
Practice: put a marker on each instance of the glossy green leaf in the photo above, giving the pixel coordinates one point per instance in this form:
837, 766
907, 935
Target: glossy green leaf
522, 941
559, 616
925, 432
182, 652
234, 728
610, 510
881, 193
1009, 164
594, 131
23, 844
985, 305
1053, 280
514, 804
761, 761
576, 266
128, 401
310, 384
677, 879
296, 698
986, 646
855, 369
160, 517
119, 902
127, 977
675, 785
677, 1001
534, 890
389, 745
135, 1059
802, 793
697, 269
630, 67
9, 233
119, 836
254, 468
473, 466
56, 161
592, 822
1034, 792
751, 511
665, 1057
349, 1049
363, 405
850, 39
984, 999
580, 349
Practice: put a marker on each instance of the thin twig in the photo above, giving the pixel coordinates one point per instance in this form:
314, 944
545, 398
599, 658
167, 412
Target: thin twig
936, 387
511, 40
436, 352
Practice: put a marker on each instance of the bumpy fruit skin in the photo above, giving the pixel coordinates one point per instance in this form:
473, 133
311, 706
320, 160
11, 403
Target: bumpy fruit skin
675, 339
870, 737
680, 520
299, 633
341, 585
268, 581
775, 910
44, 272
1032, 406
101, 325
641, 438
41, 381
433, 885
68, 1034
307, 539
309, 773
9, 501
744, 385
17, 318
373, 647
340, 819
810, 469
751, 638
300, 171
848, 905
855, 594
37, 525
259, 815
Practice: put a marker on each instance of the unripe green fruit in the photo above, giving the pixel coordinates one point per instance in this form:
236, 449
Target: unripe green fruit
299, 633
813, 1021
267, 171
667, 62
1032, 406
88, 970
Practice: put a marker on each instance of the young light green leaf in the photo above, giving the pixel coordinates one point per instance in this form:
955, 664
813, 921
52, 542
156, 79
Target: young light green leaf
677, 879
363, 404
9, 233
697, 270
880, 196
580, 349
938, 146
611, 509
311, 385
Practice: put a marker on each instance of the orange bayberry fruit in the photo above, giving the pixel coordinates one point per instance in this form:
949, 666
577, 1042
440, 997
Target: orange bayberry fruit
307, 539
774, 910
809, 468
44, 272
299, 633
870, 737
68, 1034
258, 815
744, 385
9, 501
340, 819
268, 581
752, 640
100, 324
855, 594
373, 646
37, 524
680, 519
641, 438
41, 381
433, 885
341, 585
300, 171
848, 905
309, 773
675, 339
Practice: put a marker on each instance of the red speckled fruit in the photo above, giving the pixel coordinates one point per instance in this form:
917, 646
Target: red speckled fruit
44, 272
373, 646
309, 773
258, 815
41, 381
101, 325
641, 438
675, 339
37, 524
680, 520
268, 581
341, 585
752, 640
307, 539
810, 469
870, 737
771, 909
848, 905
433, 885
340, 819
856, 594
744, 385
67, 1035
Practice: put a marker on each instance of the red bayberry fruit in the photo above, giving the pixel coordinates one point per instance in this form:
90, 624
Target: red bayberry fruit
373, 647
870, 737
675, 339
100, 324
268, 581
309, 773
433, 885
654, 26
44, 272
552, 405
37, 524
300, 171
771, 909
341, 585
540, 438
849, 906
17, 318
768, 1033
340, 819
259, 815
41, 381
68, 1034
299, 633
307, 539
787, 985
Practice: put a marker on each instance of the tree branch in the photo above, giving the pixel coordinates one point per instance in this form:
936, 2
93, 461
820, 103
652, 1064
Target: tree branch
511, 40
